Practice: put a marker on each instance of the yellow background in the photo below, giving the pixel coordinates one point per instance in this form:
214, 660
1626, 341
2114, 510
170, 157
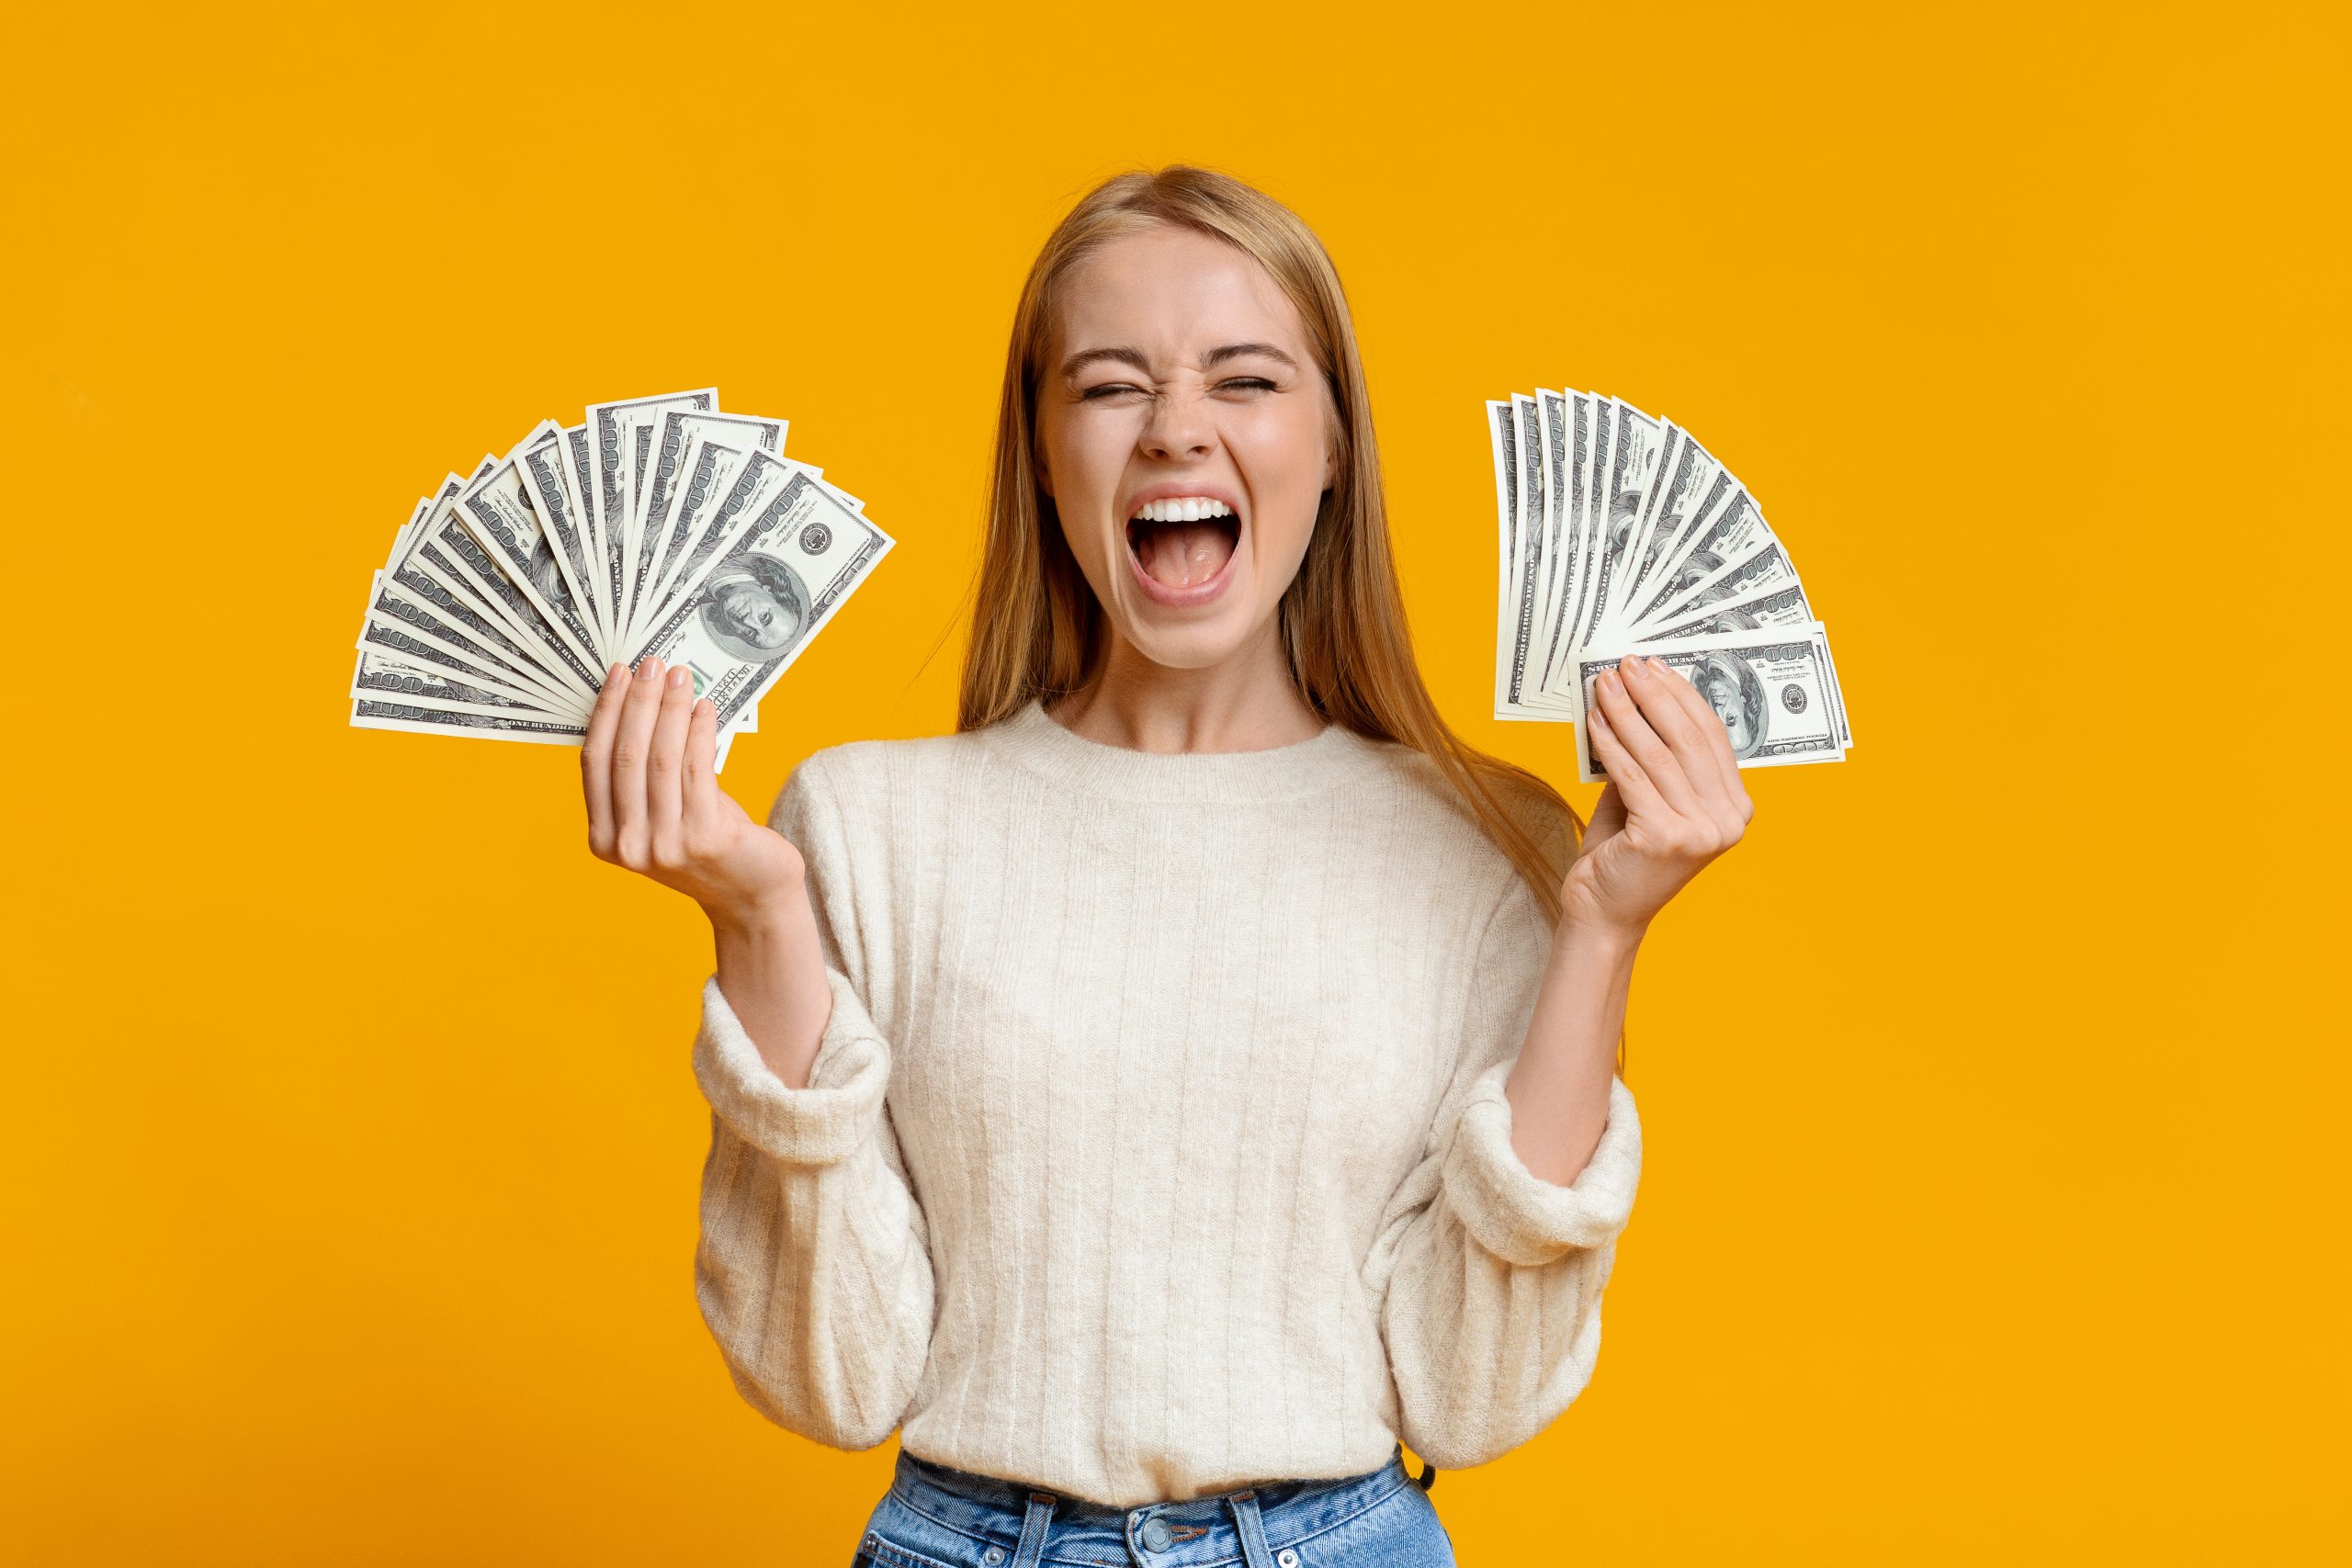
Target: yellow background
1993, 1090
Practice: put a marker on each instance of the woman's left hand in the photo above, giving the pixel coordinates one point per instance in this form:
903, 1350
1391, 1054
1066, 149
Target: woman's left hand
1673, 802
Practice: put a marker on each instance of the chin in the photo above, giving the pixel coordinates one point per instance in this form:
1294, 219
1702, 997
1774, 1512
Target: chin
1197, 647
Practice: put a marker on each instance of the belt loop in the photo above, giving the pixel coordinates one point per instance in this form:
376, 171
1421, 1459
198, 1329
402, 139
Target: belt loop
1033, 1530
1249, 1527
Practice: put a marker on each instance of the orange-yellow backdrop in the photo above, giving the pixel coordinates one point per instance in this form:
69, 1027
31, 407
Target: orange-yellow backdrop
349, 1142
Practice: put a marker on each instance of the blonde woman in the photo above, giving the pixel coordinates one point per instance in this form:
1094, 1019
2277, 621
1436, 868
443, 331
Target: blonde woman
1196, 1077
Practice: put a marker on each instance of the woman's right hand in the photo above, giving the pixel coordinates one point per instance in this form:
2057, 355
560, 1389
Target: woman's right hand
654, 804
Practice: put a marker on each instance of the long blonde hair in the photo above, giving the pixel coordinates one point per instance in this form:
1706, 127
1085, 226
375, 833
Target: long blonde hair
1036, 625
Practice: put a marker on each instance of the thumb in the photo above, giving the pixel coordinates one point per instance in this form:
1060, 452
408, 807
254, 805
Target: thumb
702, 792
1608, 816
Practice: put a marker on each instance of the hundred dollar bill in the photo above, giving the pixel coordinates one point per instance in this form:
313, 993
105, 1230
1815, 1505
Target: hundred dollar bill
578, 445
547, 486
1684, 476
1583, 410
742, 486
1502, 432
1633, 445
452, 487
1735, 530
1542, 421
369, 713
668, 441
1671, 542
498, 512
1559, 548
697, 504
1772, 689
612, 430
514, 597
767, 434
426, 599
779, 573
410, 650
385, 639
385, 677
1593, 522
1783, 604
1527, 564
1766, 569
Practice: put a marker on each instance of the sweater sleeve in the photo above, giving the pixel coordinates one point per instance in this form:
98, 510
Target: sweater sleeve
1493, 1275
813, 1272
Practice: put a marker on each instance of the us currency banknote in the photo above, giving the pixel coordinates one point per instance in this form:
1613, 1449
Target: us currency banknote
777, 573
505, 595
1617, 531
612, 440
1774, 690
676, 431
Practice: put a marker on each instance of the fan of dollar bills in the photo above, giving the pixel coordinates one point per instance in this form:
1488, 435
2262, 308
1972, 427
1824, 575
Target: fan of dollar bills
656, 525
1620, 535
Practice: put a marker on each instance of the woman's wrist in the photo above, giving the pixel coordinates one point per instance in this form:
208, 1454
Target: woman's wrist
1598, 937
771, 968
750, 917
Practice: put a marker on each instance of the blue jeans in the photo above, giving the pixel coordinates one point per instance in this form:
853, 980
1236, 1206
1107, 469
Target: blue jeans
934, 1517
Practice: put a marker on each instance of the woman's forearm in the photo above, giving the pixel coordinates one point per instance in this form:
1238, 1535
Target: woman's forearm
1558, 1088
771, 971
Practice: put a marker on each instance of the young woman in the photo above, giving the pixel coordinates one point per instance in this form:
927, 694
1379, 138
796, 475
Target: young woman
1196, 1076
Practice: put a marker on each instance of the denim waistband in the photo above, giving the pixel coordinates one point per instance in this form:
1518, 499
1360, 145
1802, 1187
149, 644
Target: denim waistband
1199, 1533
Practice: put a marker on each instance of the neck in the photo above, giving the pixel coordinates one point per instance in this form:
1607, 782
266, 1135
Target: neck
1246, 701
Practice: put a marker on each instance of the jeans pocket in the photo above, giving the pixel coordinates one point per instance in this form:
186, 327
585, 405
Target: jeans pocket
897, 1536
878, 1550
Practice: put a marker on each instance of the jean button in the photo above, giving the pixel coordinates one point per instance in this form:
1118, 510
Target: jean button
1156, 1536
1286, 1558
994, 1555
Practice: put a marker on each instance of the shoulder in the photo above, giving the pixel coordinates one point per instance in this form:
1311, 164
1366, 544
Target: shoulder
1452, 826
854, 776
1414, 816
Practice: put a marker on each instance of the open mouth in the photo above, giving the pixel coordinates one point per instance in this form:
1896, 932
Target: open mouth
1183, 541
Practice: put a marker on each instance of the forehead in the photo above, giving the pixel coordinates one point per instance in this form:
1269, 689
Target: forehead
1173, 293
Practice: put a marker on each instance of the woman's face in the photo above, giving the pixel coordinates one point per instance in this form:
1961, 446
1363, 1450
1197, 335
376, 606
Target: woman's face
1177, 373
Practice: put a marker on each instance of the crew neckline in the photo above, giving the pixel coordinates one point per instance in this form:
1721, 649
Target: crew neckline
1041, 743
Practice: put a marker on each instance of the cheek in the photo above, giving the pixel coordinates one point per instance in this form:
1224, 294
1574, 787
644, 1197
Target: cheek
1281, 458
1087, 450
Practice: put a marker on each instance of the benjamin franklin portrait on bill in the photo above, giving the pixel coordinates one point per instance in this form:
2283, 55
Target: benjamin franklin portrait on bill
1732, 689
753, 607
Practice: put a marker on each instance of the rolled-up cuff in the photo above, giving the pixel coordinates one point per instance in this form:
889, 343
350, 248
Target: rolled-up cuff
1515, 1213
816, 1126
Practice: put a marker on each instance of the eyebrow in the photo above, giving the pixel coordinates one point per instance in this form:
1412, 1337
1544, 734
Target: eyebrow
1080, 361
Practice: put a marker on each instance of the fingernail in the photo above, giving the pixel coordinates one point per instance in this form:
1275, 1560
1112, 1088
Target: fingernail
645, 667
614, 671
677, 674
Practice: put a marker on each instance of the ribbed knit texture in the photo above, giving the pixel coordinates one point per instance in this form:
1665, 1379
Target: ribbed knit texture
1157, 1145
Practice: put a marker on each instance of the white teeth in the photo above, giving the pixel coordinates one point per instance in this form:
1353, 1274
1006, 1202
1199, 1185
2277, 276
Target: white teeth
1183, 509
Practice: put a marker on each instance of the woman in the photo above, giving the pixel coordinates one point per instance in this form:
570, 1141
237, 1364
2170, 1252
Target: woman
1196, 1074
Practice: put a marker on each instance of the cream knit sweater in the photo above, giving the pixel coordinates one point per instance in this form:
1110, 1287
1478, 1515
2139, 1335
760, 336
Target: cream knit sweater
1157, 1145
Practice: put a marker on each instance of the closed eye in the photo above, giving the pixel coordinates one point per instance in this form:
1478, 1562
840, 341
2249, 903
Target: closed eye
1234, 383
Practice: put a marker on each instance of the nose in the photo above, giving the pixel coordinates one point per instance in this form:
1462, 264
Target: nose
1179, 427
